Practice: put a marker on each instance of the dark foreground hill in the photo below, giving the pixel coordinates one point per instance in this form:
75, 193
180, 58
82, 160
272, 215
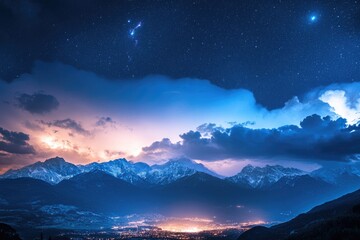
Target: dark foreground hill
8, 233
335, 220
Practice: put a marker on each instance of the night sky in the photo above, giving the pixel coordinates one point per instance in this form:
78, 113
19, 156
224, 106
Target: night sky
215, 81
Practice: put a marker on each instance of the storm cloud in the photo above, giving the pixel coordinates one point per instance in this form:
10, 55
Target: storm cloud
37, 103
15, 142
316, 138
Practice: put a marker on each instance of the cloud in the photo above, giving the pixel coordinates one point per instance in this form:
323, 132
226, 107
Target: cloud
37, 103
157, 107
103, 121
67, 124
317, 138
179, 103
32, 126
208, 128
343, 99
15, 142
338, 100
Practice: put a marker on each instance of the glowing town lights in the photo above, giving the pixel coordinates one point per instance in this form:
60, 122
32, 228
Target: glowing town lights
253, 223
185, 225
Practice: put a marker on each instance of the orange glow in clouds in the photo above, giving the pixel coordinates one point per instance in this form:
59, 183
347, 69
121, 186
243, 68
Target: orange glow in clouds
51, 142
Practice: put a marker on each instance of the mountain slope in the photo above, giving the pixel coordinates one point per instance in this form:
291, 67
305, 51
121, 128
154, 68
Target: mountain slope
120, 168
99, 191
56, 169
8, 233
25, 191
333, 174
337, 219
262, 177
346, 178
201, 194
52, 170
175, 169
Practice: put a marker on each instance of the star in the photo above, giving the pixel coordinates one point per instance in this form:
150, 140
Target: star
132, 32
313, 18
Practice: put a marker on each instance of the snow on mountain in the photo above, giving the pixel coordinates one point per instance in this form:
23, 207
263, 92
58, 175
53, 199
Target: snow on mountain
120, 168
52, 170
175, 169
57, 169
333, 174
259, 177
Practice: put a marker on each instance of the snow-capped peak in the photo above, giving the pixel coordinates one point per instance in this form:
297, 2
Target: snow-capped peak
52, 170
175, 169
258, 177
120, 168
57, 169
331, 174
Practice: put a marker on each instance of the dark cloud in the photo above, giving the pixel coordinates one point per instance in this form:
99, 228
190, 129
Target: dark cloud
161, 150
163, 144
67, 124
317, 138
104, 120
15, 142
37, 103
33, 126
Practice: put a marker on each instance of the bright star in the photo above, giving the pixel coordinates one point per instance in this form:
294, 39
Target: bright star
133, 30
313, 18
132, 33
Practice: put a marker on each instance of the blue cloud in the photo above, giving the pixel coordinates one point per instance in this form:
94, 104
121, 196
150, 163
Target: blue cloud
37, 103
317, 138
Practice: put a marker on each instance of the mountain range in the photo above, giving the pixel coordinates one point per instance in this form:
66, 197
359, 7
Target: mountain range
262, 177
254, 183
179, 187
56, 169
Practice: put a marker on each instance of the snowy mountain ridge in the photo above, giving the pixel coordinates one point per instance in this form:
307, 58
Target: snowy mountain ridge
54, 170
259, 177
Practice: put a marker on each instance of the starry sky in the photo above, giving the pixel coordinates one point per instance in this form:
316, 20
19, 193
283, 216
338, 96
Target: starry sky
153, 80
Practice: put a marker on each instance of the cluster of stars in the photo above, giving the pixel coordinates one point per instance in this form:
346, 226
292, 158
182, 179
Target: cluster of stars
246, 44
132, 32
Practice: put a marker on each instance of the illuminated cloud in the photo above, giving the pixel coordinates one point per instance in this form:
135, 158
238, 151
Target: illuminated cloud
99, 116
343, 99
67, 124
317, 138
339, 102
